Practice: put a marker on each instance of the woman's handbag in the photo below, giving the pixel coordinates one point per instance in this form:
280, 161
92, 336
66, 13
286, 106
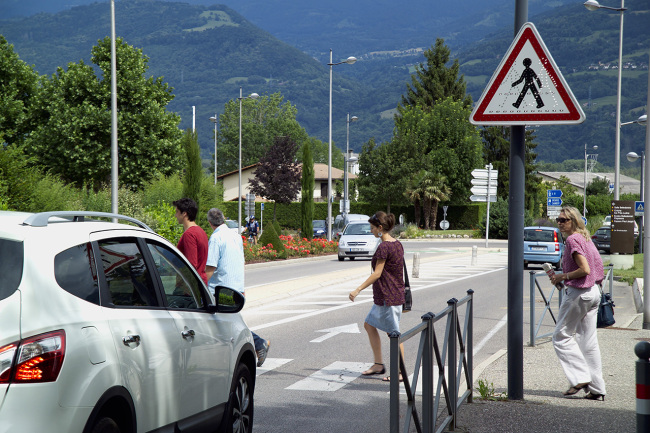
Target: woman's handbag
408, 298
605, 310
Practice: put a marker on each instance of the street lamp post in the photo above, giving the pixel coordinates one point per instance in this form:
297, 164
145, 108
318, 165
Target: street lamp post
584, 192
346, 196
350, 60
241, 98
215, 120
114, 148
593, 5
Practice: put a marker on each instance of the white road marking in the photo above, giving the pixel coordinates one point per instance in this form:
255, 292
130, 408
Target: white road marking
307, 315
261, 311
331, 378
272, 364
352, 328
491, 334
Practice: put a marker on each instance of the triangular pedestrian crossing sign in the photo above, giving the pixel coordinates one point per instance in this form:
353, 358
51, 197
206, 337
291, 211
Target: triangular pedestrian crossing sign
527, 88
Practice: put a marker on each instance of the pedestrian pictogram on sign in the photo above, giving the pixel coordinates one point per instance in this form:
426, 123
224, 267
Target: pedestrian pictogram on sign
527, 87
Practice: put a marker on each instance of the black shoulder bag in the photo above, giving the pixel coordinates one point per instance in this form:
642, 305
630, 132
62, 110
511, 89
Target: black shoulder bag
408, 298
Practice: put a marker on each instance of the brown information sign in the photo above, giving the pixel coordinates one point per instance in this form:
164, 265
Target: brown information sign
622, 227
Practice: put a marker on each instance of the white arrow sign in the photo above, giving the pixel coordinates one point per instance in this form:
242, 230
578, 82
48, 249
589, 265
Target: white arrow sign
483, 190
481, 173
484, 182
331, 332
493, 198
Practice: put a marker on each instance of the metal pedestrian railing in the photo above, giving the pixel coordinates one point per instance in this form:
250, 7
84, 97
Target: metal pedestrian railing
456, 352
534, 282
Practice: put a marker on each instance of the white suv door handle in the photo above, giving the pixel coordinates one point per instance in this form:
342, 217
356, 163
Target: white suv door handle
188, 334
131, 339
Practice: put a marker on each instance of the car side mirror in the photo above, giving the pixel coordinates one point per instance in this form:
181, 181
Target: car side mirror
227, 301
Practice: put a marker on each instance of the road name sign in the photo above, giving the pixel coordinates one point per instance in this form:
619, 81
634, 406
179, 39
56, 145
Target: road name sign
527, 88
553, 211
552, 193
553, 202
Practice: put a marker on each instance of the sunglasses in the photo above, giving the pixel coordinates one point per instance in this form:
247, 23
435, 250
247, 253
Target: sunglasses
562, 220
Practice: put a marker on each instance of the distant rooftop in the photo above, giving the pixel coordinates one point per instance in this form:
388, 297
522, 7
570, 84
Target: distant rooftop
577, 179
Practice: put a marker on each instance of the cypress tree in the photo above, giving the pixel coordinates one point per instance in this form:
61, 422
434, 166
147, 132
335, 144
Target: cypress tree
193, 169
307, 199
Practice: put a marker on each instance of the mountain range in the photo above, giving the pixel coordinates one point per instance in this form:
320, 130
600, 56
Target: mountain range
206, 52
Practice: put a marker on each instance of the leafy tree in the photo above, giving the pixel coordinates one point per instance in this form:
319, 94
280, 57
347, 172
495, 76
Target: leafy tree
598, 186
440, 140
307, 199
263, 120
277, 177
496, 150
73, 133
19, 84
434, 81
380, 181
193, 170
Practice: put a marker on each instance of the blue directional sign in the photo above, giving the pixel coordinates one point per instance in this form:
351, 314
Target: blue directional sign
553, 193
639, 208
554, 201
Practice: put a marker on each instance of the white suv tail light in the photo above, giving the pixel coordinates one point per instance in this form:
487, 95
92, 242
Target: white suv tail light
34, 359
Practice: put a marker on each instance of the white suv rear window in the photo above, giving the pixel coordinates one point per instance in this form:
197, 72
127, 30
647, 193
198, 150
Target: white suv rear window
74, 270
11, 266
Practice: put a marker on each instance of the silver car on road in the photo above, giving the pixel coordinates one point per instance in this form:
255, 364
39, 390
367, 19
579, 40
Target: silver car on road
357, 241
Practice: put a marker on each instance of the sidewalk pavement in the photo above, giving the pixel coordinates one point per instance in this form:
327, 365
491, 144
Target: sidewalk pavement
544, 409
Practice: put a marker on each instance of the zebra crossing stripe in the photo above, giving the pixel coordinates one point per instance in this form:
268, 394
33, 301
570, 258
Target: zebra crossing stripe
271, 364
331, 378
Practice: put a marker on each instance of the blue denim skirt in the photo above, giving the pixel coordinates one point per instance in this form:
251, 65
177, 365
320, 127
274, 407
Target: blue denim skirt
385, 318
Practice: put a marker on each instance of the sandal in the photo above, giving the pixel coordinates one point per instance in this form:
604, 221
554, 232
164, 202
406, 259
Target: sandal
387, 378
371, 372
574, 389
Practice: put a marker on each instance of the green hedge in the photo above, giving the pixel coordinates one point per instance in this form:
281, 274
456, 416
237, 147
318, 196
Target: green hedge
460, 217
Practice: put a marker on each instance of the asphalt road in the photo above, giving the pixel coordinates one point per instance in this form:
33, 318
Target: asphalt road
311, 381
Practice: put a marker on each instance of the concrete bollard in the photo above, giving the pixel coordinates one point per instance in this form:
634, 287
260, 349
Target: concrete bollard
642, 350
416, 265
474, 254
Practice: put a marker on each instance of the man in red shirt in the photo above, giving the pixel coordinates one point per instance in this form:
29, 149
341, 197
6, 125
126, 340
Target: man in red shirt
194, 242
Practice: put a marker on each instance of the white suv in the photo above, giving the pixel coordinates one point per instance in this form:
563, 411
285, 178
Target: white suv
107, 328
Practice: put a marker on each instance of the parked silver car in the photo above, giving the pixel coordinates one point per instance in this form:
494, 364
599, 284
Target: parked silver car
357, 241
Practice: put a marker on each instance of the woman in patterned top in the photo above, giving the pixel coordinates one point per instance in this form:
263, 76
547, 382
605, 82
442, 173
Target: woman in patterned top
579, 354
387, 281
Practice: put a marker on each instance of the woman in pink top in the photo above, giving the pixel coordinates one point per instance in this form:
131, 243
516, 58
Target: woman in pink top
575, 340
387, 280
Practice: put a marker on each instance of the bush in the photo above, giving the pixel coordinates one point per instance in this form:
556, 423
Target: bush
270, 237
162, 189
52, 194
276, 226
499, 216
161, 218
99, 201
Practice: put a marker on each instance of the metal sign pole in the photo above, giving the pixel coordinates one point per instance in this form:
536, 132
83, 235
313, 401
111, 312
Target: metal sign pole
487, 221
516, 244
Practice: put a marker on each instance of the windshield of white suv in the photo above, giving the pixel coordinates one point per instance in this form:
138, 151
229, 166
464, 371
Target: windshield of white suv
11, 266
